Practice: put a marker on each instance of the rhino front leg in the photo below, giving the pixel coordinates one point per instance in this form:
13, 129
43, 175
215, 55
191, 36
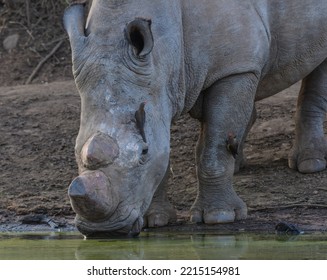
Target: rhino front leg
309, 151
228, 106
160, 212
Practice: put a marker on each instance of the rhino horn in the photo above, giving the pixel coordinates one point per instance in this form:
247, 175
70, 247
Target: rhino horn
99, 151
74, 22
91, 196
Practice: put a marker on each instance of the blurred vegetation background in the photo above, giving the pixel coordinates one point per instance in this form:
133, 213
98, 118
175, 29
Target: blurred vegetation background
33, 44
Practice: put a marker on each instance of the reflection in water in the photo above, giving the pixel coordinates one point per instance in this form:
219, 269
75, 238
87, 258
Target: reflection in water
163, 246
229, 247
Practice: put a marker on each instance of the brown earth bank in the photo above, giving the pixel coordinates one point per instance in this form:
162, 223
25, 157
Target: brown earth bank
38, 127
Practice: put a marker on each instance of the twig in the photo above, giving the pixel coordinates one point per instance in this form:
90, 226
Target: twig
10, 4
45, 45
24, 27
37, 68
294, 205
28, 13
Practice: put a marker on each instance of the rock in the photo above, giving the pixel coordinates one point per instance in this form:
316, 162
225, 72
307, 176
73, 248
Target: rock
10, 42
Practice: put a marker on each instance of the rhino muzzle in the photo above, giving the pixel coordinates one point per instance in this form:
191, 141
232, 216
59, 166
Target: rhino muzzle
107, 229
96, 205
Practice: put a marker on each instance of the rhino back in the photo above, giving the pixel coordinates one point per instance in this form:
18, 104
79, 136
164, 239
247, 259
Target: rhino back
297, 32
282, 41
204, 41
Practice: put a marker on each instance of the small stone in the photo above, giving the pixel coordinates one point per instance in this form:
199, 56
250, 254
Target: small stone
10, 42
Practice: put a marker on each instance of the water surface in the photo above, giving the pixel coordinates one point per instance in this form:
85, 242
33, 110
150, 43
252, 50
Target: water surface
149, 246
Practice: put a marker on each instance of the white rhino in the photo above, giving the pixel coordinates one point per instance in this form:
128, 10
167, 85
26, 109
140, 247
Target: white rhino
211, 58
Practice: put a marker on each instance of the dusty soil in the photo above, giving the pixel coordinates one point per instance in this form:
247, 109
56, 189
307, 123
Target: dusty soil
39, 123
38, 127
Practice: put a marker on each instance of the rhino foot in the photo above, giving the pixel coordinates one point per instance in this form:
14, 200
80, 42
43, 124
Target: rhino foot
220, 212
308, 160
159, 214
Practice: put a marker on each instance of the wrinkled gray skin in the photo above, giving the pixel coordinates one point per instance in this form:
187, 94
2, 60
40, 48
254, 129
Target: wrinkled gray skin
213, 59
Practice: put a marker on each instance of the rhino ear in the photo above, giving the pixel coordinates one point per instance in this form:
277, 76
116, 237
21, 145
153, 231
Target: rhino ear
139, 36
74, 22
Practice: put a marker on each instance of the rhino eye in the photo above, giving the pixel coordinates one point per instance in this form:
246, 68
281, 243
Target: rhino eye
145, 151
144, 157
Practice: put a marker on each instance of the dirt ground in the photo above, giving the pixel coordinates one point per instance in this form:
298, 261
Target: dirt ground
39, 123
38, 127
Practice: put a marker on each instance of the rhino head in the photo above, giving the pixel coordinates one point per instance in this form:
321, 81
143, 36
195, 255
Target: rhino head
117, 66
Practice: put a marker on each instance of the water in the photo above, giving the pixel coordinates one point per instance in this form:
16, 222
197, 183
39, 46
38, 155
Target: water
149, 246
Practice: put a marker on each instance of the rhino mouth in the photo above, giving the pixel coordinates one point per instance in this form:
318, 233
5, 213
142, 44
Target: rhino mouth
130, 227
